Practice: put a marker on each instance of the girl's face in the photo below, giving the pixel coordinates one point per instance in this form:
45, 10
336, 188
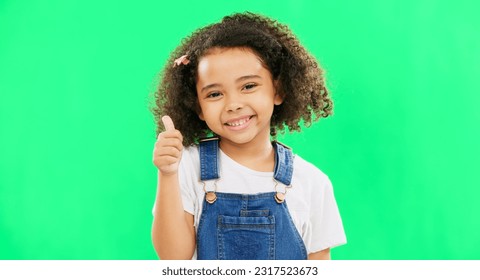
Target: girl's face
236, 95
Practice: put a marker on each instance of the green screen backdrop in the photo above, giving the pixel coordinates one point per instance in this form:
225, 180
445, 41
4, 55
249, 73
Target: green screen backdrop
402, 149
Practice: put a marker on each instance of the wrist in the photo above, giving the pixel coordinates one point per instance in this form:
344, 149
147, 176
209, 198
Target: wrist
167, 174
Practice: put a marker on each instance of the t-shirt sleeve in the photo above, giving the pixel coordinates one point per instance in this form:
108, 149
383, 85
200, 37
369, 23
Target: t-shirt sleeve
325, 227
186, 177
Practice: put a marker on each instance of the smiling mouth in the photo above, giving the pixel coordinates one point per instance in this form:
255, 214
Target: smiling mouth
238, 122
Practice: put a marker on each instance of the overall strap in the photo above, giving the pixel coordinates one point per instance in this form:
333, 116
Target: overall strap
209, 159
283, 163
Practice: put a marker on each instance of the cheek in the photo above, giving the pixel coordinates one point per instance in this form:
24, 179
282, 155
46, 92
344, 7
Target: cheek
206, 111
266, 103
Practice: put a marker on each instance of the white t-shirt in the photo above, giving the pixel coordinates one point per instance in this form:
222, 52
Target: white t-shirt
310, 199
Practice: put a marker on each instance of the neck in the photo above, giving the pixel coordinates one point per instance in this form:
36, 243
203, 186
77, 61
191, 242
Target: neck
258, 156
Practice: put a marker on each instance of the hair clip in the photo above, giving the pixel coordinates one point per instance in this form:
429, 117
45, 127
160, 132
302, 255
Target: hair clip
181, 60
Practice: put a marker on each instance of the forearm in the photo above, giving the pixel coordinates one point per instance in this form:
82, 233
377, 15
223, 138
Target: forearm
320, 255
173, 233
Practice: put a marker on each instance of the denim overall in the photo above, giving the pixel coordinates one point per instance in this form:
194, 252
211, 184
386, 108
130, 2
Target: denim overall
243, 226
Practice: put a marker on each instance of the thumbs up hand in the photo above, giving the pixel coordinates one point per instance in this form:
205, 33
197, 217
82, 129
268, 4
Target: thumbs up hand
168, 148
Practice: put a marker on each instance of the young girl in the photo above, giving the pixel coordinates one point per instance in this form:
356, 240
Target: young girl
225, 197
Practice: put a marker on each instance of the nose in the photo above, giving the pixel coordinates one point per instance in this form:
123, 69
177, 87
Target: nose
234, 103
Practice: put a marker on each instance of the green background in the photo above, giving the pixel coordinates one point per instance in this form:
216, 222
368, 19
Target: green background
402, 149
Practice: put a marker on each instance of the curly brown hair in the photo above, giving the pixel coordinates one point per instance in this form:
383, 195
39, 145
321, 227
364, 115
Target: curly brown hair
300, 80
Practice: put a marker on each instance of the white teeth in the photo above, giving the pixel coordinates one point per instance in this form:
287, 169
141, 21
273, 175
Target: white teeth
239, 122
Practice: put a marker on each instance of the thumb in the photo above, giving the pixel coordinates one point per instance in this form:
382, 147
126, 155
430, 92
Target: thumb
168, 123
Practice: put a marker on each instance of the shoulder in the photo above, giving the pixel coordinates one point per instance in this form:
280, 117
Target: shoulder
191, 150
190, 153
190, 159
308, 173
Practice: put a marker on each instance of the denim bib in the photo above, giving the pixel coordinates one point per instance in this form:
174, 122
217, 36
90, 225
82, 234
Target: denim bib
243, 226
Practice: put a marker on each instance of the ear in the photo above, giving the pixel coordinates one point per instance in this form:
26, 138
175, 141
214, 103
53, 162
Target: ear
200, 113
278, 98
198, 109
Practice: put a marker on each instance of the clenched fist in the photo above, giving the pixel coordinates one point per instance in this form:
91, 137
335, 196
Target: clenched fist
168, 148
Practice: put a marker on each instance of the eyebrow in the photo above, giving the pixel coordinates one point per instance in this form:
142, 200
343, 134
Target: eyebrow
242, 78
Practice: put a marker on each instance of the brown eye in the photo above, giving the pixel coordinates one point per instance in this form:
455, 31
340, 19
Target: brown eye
214, 94
249, 86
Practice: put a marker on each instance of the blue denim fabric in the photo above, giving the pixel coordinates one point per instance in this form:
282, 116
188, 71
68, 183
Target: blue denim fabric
209, 154
249, 227
283, 164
